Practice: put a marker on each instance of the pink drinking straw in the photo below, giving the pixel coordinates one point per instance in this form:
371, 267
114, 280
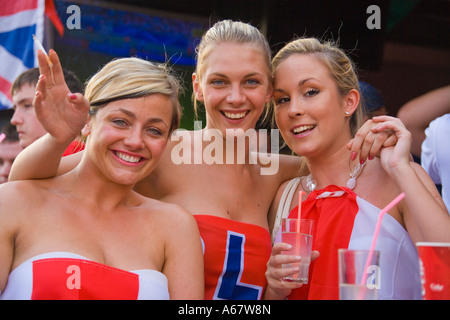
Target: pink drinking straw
2, 137
299, 216
374, 241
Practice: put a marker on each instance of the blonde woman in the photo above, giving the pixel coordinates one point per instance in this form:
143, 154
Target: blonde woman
318, 110
86, 234
229, 198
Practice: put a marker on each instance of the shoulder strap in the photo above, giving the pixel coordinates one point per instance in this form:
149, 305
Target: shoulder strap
284, 205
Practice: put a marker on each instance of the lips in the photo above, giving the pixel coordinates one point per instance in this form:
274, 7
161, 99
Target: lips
303, 129
128, 158
235, 115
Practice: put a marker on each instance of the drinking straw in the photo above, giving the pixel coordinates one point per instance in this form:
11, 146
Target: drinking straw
2, 137
374, 241
299, 215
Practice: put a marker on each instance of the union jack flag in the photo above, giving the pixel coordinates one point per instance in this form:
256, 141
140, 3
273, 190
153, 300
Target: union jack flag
19, 20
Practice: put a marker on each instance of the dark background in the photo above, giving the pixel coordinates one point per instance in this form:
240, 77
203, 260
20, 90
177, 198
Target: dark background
407, 57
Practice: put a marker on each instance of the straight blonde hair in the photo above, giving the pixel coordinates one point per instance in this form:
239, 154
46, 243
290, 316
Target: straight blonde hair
230, 31
341, 67
129, 78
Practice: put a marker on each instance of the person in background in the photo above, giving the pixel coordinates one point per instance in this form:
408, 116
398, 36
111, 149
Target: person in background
435, 156
24, 118
371, 100
318, 110
427, 117
9, 149
417, 114
435, 151
87, 234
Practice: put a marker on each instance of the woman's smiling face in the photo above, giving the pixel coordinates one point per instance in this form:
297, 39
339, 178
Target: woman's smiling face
234, 86
127, 137
309, 110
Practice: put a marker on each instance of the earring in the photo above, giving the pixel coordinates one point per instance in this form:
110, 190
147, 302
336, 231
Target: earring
347, 113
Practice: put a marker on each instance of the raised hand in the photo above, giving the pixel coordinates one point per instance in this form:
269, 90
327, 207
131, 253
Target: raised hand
62, 113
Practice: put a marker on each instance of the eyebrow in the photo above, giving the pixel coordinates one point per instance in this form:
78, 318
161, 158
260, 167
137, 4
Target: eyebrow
251, 74
151, 120
304, 81
25, 100
128, 113
300, 83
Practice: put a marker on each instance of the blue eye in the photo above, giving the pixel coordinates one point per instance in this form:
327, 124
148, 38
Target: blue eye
217, 82
119, 122
154, 131
252, 82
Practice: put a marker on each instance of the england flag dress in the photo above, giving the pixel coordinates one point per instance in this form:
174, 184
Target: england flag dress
69, 276
342, 220
235, 257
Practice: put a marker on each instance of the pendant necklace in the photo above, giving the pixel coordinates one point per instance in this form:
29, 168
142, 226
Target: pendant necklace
311, 184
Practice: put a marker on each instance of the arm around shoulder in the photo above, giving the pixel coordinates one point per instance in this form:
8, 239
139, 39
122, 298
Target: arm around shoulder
425, 215
43, 159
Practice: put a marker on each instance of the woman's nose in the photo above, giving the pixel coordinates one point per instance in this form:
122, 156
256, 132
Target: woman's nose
236, 96
134, 139
296, 108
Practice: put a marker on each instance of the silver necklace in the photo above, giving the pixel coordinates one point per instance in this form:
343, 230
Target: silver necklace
311, 184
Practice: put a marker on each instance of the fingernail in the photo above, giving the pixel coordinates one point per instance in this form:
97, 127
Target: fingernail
362, 161
72, 96
298, 258
353, 155
370, 157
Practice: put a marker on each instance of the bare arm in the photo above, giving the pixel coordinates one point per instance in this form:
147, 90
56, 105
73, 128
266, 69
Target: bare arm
184, 259
419, 112
62, 114
8, 231
424, 213
43, 159
426, 217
